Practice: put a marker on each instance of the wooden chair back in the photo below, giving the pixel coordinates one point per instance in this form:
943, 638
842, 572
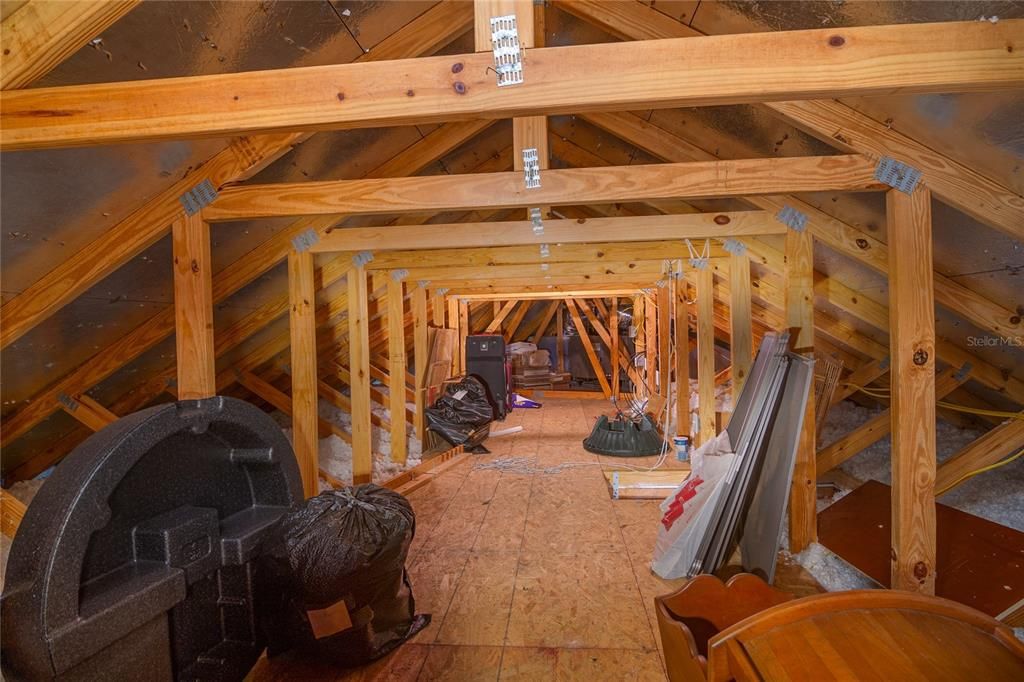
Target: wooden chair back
700, 609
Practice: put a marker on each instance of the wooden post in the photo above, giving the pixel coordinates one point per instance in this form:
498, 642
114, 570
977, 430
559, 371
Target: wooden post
912, 377
453, 323
193, 308
651, 343
528, 132
613, 332
682, 360
453, 312
560, 335
396, 368
463, 333
706, 353
484, 10
741, 340
800, 320
437, 309
359, 370
639, 333
302, 323
664, 348
420, 350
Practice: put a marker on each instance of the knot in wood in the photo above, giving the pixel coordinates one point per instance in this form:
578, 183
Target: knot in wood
920, 357
920, 570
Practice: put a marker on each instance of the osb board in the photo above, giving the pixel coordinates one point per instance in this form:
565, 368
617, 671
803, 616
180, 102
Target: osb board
979, 563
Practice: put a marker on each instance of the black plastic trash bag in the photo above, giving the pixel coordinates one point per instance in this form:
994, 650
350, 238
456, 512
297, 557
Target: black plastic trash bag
350, 545
463, 414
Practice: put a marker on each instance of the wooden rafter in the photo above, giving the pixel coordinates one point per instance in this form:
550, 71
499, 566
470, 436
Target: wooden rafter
39, 35
89, 412
499, 317
131, 236
520, 232
838, 124
561, 291
843, 237
516, 320
592, 254
588, 346
241, 159
850, 241
862, 376
729, 69
620, 358
545, 321
879, 426
226, 282
476, 191
1002, 441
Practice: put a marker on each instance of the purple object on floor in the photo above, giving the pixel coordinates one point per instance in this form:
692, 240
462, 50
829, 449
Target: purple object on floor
520, 401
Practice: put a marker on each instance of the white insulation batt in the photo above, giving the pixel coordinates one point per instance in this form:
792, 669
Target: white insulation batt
996, 495
336, 454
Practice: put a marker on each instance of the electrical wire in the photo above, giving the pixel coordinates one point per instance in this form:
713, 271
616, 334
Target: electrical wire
886, 393
982, 470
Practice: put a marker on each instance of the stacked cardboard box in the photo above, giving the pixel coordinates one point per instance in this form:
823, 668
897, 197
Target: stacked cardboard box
531, 368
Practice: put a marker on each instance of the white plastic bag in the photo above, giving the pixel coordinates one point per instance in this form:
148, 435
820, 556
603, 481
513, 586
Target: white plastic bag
687, 511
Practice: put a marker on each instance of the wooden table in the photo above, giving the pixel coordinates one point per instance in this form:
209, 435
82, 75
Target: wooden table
867, 635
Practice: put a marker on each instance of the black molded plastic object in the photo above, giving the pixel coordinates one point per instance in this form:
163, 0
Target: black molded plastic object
622, 438
136, 559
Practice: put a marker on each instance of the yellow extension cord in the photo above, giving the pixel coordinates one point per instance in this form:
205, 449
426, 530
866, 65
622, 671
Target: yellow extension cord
885, 393
982, 470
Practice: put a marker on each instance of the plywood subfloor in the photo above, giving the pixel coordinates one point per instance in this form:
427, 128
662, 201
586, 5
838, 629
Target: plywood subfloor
529, 576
